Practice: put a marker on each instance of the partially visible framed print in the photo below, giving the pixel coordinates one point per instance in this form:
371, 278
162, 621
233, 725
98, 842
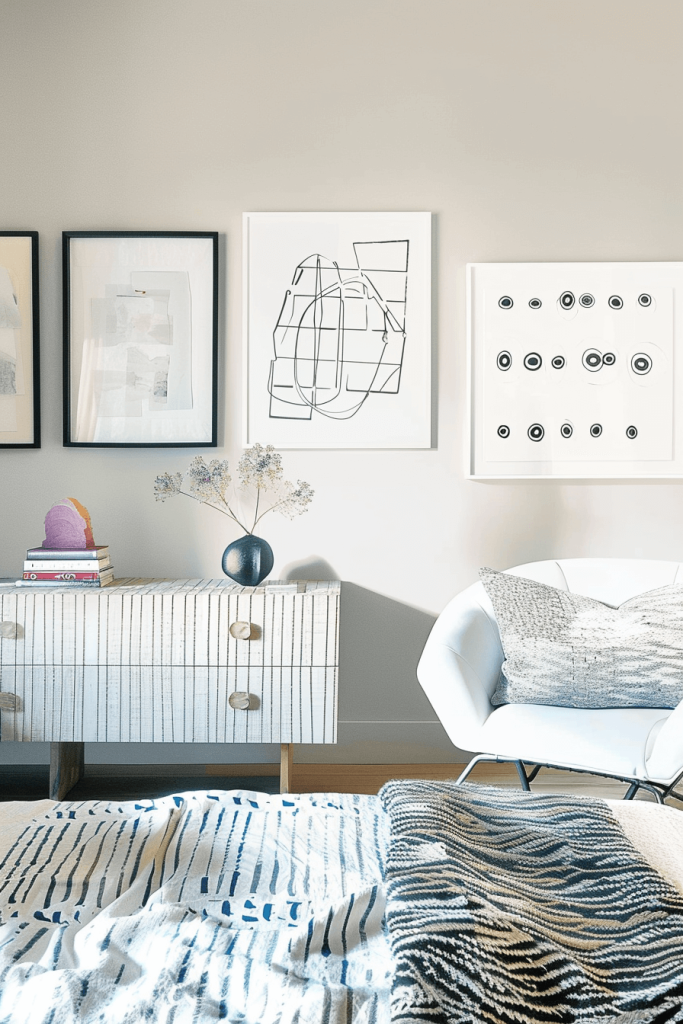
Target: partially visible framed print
19, 340
338, 329
140, 338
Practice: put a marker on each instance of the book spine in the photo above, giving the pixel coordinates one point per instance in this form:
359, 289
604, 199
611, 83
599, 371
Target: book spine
47, 565
64, 553
85, 584
67, 575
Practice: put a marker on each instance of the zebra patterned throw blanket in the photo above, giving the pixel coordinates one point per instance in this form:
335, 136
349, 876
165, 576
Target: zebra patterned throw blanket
508, 908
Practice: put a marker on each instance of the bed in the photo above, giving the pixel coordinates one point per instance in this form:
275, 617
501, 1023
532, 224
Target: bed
431, 902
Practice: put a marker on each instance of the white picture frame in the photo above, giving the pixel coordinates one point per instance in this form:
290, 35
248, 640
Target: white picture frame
337, 330
575, 371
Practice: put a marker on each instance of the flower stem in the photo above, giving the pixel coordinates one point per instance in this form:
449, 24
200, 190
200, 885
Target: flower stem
229, 513
256, 517
265, 513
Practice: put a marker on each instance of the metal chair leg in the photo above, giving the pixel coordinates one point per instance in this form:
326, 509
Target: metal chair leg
669, 791
522, 776
652, 788
473, 763
659, 792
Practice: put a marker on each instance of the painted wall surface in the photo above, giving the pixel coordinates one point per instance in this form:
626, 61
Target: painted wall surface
534, 131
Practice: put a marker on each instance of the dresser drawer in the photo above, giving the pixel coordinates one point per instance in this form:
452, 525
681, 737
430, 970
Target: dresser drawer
49, 703
134, 704
186, 629
147, 664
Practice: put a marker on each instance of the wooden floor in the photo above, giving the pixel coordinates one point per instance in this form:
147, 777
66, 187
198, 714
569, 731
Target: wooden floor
130, 782
363, 778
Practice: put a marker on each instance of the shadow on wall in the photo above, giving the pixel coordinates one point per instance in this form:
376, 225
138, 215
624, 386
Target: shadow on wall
384, 715
311, 568
381, 641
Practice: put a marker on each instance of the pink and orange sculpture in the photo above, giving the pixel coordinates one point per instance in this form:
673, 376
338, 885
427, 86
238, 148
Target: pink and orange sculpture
68, 526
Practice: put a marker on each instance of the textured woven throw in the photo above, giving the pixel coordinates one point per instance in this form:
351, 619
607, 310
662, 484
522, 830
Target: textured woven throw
574, 652
508, 908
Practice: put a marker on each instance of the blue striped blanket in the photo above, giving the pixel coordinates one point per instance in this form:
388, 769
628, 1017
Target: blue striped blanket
205, 906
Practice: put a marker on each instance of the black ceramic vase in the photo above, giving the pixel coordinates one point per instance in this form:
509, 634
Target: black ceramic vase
248, 560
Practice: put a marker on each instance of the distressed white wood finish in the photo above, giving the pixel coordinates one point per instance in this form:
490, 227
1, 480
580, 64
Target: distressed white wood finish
154, 661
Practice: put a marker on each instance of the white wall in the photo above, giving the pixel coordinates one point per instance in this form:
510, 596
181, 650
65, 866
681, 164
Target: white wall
534, 130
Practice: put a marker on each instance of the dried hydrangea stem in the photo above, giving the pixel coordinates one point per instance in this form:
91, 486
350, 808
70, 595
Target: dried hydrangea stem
229, 512
259, 468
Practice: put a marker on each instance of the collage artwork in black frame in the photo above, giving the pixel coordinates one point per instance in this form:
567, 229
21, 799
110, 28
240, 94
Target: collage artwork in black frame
140, 339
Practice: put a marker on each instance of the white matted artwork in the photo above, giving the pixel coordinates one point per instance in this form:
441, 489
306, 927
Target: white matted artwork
338, 329
19, 356
140, 337
574, 370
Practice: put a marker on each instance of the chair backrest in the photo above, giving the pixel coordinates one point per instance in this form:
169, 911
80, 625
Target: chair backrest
468, 625
611, 580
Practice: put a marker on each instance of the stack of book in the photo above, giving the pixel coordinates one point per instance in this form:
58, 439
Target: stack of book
61, 567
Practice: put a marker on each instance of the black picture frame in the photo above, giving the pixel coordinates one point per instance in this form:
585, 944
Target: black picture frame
133, 356
20, 345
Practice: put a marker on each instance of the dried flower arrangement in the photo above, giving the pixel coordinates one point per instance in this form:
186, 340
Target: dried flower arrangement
260, 479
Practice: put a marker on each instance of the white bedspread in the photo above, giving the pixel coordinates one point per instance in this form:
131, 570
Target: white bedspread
212, 906
205, 906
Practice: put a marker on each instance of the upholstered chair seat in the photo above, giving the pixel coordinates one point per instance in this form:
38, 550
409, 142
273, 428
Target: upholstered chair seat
461, 664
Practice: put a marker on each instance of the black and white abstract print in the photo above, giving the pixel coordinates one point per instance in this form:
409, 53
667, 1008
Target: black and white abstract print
338, 316
340, 335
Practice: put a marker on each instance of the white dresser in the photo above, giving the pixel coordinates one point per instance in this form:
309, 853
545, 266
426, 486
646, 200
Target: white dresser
168, 661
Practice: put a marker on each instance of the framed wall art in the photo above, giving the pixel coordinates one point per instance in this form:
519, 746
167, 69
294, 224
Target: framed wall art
19, 340
337, 329
140, 338
576, 370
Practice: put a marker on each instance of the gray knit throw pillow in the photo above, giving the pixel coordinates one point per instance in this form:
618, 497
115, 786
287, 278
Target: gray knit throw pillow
573, 652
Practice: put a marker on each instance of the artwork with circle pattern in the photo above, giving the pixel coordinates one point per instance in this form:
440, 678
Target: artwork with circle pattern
573, 369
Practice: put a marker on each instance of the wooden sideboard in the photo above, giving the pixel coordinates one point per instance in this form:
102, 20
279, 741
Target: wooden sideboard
168, 661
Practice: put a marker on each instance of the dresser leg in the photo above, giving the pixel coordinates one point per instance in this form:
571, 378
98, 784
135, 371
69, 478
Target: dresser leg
286, 763
66, 768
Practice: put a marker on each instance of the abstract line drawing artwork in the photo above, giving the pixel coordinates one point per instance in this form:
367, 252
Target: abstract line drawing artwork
338, 339
140, 338
338, 330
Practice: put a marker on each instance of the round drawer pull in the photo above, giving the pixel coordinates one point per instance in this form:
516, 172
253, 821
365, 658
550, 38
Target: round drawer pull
11, 630
240, 700
245, 631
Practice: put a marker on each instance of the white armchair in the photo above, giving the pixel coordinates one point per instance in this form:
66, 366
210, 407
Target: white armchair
461, 664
